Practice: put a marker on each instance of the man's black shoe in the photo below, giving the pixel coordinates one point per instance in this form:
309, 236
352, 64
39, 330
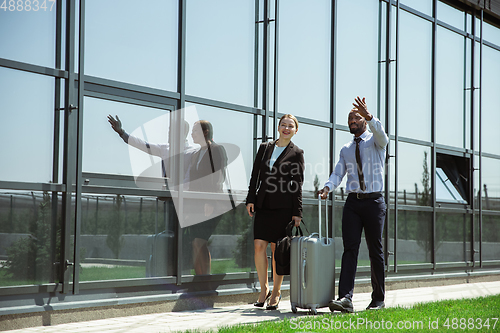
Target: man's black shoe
376, 305
344, 304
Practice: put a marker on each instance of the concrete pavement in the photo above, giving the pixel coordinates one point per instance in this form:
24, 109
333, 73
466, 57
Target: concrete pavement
211, 319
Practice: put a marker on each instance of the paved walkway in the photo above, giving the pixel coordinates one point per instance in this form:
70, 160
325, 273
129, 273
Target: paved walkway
210, 319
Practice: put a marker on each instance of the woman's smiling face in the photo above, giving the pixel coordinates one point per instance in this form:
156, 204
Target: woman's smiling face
287, 128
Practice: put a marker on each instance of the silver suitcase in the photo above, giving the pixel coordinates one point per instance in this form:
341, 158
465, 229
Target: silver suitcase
312, 269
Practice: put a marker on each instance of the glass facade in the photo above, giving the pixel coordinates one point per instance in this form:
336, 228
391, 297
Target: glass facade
80, 209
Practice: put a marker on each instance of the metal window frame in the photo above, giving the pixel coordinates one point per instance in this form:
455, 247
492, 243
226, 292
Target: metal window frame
96, 87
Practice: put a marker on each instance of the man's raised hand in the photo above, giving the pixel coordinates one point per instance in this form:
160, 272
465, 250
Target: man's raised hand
361, 108
116, 124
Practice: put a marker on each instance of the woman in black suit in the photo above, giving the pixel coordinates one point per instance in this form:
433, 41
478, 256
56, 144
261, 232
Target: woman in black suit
275, 196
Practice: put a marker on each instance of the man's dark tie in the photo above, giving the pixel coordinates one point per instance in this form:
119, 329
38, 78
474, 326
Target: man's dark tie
359, 164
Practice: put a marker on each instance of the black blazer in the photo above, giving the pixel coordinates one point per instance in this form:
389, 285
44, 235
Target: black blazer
280, 186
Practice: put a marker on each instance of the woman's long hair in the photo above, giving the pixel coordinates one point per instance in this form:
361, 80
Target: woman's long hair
207, 129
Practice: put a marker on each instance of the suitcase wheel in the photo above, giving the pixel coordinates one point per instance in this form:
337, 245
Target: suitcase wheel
313, 311
294, 308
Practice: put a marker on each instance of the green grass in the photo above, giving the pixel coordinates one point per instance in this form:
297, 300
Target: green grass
443, 316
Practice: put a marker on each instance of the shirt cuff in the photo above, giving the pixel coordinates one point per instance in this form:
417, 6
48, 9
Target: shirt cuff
124, 136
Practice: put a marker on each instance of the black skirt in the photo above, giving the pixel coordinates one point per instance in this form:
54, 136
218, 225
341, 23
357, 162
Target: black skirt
270, 224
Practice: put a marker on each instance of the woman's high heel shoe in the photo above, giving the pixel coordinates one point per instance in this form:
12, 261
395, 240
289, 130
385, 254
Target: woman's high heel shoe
274, 307
261, 304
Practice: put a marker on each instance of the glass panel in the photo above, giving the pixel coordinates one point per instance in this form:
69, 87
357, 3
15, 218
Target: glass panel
491, 237
414, 244
341, 139
392, 172
315, 156
453, 237
220, 55
450, 91
415, 77
491, 183
476, 183
445, 191
351, 64
143, 53
29, 32
414, 175
491, 87
27, 126
230, 127
450, 15
126, 237
424, 6
100, 142
304, 59
222, 244
29, 238
491, 33
477, 102
469, 23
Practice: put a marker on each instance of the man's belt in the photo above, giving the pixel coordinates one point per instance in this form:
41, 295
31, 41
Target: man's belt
360, 196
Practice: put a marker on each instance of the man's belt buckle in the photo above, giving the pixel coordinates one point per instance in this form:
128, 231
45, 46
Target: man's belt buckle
359, 195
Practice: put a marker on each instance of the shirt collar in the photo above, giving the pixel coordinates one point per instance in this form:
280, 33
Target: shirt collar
362, 136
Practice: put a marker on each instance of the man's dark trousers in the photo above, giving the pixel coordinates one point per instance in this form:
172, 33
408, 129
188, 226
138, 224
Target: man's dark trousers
358, 214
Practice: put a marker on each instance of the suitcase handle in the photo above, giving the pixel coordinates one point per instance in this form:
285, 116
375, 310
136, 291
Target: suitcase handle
327, 241
303, 274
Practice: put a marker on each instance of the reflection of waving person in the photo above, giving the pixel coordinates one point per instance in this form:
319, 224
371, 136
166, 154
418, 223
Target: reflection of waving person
363, 160
161, 150
207, 173
275, 196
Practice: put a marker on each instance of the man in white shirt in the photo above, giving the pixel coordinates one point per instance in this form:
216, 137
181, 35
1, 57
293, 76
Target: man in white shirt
363, 160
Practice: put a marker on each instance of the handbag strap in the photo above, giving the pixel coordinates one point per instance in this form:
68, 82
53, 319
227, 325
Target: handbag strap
298, 230
233, 205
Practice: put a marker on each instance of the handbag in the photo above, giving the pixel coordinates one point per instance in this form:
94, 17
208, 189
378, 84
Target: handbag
282, 250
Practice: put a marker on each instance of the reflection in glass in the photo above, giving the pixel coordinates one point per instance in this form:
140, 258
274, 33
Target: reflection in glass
222, 244
29, 238
28, 36
143, 53
304, 59
101, 143
414, 186
414, 244
230, 244
489, 103
476, 182
352, 65
491, 184
415, 77
231, 128
450, 15
220, 50
27, 126
450, 89
491, 237
453, 236
316, 157
445, 191
124, 237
